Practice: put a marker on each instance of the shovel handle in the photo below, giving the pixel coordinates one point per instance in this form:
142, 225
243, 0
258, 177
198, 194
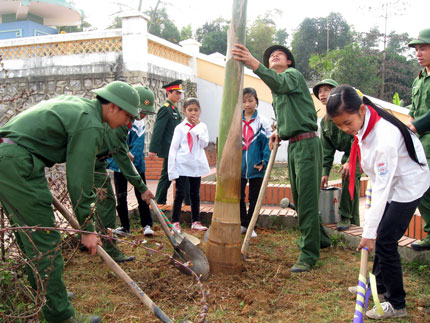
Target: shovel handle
261, 194
163, 222
134, 288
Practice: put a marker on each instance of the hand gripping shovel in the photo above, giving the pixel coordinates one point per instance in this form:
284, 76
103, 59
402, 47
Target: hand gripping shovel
184, 250
256, 213
134, 288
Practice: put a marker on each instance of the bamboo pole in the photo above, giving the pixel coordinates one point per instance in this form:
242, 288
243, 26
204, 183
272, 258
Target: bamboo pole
224, 241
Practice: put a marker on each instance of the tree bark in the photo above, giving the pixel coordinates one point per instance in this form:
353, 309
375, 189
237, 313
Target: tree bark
224, 242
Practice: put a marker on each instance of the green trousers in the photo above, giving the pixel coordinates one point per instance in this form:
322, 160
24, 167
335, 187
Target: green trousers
348, 208
424, 208
105, 216
305, 168
27, 200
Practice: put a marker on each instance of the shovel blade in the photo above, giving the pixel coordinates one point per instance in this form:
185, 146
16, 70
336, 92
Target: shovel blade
188, 252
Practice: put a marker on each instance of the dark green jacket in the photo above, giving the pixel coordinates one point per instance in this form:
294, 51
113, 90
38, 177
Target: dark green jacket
168, 117
292, 101
421, 105
68, 130
115, 145
332, 139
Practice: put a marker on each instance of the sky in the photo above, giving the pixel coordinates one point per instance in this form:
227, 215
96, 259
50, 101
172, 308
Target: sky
410, 19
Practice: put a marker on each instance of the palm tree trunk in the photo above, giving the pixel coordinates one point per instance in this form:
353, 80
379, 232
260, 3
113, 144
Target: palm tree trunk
224, 242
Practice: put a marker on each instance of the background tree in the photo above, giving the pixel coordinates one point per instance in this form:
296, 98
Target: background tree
186, 32
316, 36
263, 33
213, 36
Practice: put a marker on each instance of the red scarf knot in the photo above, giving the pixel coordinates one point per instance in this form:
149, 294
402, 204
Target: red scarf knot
247, 133
189, 136
355, 149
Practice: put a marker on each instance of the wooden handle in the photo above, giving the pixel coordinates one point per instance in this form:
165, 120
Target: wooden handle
135, 289
256, 213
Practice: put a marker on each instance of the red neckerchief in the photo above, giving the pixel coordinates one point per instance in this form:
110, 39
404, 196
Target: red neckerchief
129, 125
189, 136
247, 133
355, 149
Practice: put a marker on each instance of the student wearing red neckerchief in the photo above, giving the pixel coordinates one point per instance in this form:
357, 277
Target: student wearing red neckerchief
255, 154
394, 159
188, 161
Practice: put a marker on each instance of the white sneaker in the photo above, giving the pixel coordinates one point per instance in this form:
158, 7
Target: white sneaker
177, 226
389, 311
198, 226
244, 229
121, 231
147, 231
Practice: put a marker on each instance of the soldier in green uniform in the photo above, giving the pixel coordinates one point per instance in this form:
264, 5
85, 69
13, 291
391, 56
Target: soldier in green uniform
65, 129
297, 122
168, 117
115, 145
332, 139
420, 107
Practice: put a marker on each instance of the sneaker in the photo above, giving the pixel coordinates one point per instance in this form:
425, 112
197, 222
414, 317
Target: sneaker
300, 267
343, 224
353, 290
198, 226
389, 311
147, 231
121, 231
421, 245
177, 226
82, 318
243, 229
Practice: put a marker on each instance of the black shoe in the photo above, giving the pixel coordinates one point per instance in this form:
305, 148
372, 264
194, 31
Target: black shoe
343, 224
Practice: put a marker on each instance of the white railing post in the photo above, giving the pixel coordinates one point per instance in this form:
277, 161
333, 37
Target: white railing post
134, 41
191, 47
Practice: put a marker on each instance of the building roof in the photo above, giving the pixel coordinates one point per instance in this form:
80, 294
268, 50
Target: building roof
53, 12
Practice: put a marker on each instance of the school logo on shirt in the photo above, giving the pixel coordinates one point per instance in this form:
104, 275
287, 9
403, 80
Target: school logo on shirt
382, 168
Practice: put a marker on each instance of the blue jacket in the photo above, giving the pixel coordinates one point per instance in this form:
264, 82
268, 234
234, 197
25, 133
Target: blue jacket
136, 144
258, 150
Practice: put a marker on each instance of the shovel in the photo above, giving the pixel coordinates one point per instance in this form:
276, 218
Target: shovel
184, 250
256, 213
134, 288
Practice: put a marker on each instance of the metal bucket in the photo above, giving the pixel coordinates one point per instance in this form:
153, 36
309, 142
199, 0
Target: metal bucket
329, 204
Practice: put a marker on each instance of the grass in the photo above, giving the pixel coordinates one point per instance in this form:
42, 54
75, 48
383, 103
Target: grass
279, 173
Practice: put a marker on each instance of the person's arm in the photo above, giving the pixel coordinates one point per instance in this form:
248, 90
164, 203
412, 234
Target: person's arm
200, 132
117, 143
421, 124
158, 132
279, 83
80, 162
173, 151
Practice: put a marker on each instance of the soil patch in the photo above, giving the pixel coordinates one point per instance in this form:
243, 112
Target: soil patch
265, 291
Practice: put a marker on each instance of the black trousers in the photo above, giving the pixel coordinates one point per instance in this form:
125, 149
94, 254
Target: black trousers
194, 190
254, 190
387, 266
122, 205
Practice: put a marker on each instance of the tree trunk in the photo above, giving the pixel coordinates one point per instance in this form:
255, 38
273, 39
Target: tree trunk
224, 240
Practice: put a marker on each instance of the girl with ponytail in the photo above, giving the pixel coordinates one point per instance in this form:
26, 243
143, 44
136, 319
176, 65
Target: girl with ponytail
394, 160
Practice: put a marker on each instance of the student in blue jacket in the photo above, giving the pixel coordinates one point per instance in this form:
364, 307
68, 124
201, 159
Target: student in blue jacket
255, 154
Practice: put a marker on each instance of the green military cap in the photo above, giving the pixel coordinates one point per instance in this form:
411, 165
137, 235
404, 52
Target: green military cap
174, 86
147, 99
330, 82
271, 49
423, 38
121, 94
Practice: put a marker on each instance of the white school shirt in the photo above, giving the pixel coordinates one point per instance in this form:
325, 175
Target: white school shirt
393, 174
181, 161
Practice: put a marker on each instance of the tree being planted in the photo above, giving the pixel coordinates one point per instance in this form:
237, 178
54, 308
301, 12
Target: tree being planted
224, 241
